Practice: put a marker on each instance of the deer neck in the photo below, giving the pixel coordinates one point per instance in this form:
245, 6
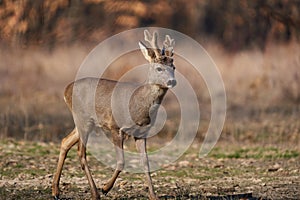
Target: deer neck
154, 93
145, 101
146, 96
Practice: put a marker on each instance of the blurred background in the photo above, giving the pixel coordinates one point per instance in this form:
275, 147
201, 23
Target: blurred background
254, 43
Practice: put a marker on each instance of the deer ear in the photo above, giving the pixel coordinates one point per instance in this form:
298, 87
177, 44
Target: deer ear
147, 52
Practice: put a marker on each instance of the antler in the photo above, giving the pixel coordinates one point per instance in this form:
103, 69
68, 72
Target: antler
168, 46
152, 40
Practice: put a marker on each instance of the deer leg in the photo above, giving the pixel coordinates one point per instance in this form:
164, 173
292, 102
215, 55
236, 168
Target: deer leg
118, 140
66, 144
141, 147
82, 156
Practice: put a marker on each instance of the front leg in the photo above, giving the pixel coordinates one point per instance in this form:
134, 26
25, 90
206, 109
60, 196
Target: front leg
118, 140
141, 147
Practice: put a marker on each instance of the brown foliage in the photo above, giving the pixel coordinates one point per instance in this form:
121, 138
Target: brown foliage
236, 24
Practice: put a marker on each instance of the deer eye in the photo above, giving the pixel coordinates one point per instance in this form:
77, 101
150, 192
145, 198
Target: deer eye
159, 69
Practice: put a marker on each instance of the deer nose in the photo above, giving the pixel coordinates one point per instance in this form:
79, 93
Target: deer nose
171, 83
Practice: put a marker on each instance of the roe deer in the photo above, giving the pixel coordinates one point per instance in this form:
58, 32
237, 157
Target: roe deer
143, 102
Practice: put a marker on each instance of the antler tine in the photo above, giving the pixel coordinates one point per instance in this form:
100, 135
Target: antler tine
169, 42
168, 45
152, 40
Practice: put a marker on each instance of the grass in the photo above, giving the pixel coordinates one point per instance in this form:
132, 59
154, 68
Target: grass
255, 153
14, 160
220, 173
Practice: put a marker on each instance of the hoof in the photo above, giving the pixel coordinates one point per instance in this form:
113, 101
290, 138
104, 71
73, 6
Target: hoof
153, 197
96, 197
56, 198
104, 191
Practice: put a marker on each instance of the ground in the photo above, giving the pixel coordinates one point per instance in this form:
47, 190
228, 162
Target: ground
229, 172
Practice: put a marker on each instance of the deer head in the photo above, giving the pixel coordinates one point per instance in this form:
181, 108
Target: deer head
161, 71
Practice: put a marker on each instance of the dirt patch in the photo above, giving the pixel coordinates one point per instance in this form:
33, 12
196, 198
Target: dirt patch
27, 171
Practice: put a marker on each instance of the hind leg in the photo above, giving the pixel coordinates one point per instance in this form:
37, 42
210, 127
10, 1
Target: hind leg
84, 164
67, 143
